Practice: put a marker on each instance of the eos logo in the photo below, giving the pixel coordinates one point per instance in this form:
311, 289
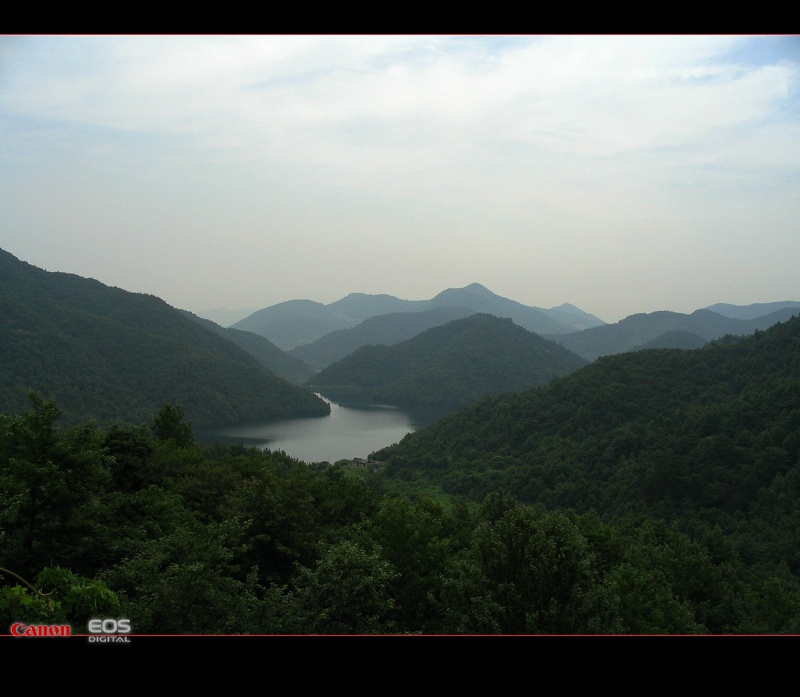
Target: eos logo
109, 626
109, 630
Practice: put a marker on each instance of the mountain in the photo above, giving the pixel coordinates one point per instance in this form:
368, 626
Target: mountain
106, 354
673, 339
225, 316
713, 432
572, 316
263, 350
448, 366
637, 330
296, 322
357, 307
754, 310
383, 330
481, 299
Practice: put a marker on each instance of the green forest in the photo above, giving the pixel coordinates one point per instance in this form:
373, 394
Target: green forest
647, 493
653, 491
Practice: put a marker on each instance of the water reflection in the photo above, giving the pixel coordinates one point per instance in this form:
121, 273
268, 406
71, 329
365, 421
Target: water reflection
346, 433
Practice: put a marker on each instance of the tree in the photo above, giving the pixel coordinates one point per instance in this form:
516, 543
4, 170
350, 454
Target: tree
347, 592
131, 448
49, 478
540, 571
169, 425
413, 539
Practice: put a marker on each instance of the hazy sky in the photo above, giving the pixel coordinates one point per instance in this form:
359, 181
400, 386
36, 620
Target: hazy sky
622, 174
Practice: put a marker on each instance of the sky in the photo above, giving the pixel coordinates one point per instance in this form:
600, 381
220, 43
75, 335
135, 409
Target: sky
621, 174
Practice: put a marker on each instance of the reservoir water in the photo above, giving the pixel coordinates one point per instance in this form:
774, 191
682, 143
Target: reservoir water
346, 433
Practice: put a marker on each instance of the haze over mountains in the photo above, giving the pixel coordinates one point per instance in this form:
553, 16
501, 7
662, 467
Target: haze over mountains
109, 354
281, 363
378, 330
319, 335
648, 492
669, 330
297, 322
661, 486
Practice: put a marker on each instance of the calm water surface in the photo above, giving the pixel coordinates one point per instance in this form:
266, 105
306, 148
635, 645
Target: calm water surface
347, 433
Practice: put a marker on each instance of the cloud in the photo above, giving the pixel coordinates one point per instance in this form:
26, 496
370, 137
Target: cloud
465, 151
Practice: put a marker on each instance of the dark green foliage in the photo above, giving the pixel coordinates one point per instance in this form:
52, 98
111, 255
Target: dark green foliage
665, 429
48, 477
348, 591
110, 355
58, 597
169, 425
130, 449
412, 537
539, 572
649, 493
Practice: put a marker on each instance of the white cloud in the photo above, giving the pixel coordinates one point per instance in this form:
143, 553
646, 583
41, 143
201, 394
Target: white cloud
470, 143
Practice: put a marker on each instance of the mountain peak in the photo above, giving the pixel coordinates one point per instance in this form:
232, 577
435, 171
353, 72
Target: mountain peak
478, 288
471, 289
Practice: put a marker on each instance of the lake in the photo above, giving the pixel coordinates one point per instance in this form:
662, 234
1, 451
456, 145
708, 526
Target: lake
346, 433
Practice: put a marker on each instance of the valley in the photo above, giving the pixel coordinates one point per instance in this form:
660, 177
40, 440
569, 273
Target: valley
634, 478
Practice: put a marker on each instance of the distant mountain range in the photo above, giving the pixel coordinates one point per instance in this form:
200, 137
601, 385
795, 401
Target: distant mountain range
751, 311
297, 322
319, 335
108, 354
670, 329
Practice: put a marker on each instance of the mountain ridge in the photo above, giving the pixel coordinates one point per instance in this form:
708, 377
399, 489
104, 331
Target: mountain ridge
639, 329
385, 330
650, 417
292, 323
106, 354
448, 365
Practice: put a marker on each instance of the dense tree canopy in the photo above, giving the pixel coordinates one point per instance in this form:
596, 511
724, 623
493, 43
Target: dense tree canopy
655, 492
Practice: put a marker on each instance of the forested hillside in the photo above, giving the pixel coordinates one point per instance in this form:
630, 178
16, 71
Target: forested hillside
448, 366
111, 355
142, 523
650, 492
275, 360
709, 430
